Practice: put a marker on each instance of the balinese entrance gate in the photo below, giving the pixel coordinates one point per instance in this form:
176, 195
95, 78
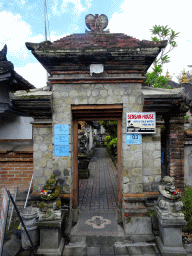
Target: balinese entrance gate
96, 112
99, 76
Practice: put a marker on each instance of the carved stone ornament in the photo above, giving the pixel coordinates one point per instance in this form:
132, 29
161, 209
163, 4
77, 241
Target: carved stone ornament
168, 200
96, 23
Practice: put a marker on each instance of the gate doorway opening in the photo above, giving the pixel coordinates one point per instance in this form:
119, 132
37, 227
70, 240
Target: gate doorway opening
96, 113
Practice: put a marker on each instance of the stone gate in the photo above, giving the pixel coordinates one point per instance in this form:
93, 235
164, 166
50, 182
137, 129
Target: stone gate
99, 75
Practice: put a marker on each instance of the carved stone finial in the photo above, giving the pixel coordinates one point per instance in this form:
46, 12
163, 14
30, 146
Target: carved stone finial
96, 23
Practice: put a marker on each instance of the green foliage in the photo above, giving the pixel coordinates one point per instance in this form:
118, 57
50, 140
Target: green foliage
113, 142
160, 33
110, 127
164, 33
110, 142
186, 118
107, 139
156, 79
187, 209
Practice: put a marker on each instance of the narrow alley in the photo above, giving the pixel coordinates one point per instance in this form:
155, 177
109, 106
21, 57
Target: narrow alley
100, 191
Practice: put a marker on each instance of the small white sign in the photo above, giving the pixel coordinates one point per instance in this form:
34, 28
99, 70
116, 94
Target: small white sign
96, 68
141, 122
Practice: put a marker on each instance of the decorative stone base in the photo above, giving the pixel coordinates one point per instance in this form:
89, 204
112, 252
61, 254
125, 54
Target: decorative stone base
170, 251
170, 230
51, 240
52, 252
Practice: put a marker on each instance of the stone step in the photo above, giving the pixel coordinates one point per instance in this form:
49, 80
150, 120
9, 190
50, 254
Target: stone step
118, 248
97, 241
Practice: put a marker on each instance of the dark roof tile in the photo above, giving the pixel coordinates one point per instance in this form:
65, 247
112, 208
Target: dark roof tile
103, 40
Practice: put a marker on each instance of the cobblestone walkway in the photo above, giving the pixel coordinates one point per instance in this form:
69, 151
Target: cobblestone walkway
100, 191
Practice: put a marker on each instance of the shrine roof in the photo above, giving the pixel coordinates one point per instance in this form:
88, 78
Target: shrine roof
96, 46
97, 40
103, 40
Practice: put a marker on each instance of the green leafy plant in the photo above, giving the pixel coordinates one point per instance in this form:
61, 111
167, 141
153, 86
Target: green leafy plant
156, 79
186, 118
187, 208
113, 142
164, 33
110, 127
161, 33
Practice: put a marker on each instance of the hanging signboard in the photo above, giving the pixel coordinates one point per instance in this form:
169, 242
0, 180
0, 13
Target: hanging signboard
3, 219
141, 122
61, 140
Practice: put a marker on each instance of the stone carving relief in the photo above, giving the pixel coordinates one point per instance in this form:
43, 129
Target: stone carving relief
96, 23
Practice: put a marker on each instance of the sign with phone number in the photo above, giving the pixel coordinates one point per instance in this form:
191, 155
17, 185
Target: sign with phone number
133, 138
140, 122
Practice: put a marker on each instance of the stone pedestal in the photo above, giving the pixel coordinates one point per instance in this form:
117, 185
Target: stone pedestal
138, 229
170, 230
51, 240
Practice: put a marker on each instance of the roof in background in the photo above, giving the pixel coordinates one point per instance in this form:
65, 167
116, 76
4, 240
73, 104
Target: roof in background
9, 77
188, 87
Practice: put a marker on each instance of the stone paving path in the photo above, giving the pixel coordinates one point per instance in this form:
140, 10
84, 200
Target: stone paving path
100, 191
97, 232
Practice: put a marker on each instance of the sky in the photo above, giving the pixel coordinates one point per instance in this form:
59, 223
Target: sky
23, 21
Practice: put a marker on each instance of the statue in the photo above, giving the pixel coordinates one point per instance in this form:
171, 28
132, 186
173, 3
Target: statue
50, 199
169, 195
51, 219
170, 218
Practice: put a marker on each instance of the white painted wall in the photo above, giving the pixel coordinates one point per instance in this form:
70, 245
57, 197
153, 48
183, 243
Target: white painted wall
15, 127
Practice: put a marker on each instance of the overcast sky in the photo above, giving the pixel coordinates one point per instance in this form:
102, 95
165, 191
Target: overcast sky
23, 21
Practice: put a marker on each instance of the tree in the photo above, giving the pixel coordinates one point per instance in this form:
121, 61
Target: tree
160, 33
110, 127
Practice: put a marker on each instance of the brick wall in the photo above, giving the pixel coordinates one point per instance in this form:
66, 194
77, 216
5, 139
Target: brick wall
16, 166
176, 149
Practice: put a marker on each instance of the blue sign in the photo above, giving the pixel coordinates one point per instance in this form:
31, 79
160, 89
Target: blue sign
61, 140
133, 138
61, 150
61, 129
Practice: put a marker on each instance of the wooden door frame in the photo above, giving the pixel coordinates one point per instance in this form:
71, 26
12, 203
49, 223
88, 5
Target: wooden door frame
111, 116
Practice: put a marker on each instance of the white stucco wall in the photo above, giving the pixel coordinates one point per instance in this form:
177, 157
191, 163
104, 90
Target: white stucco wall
15, 127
